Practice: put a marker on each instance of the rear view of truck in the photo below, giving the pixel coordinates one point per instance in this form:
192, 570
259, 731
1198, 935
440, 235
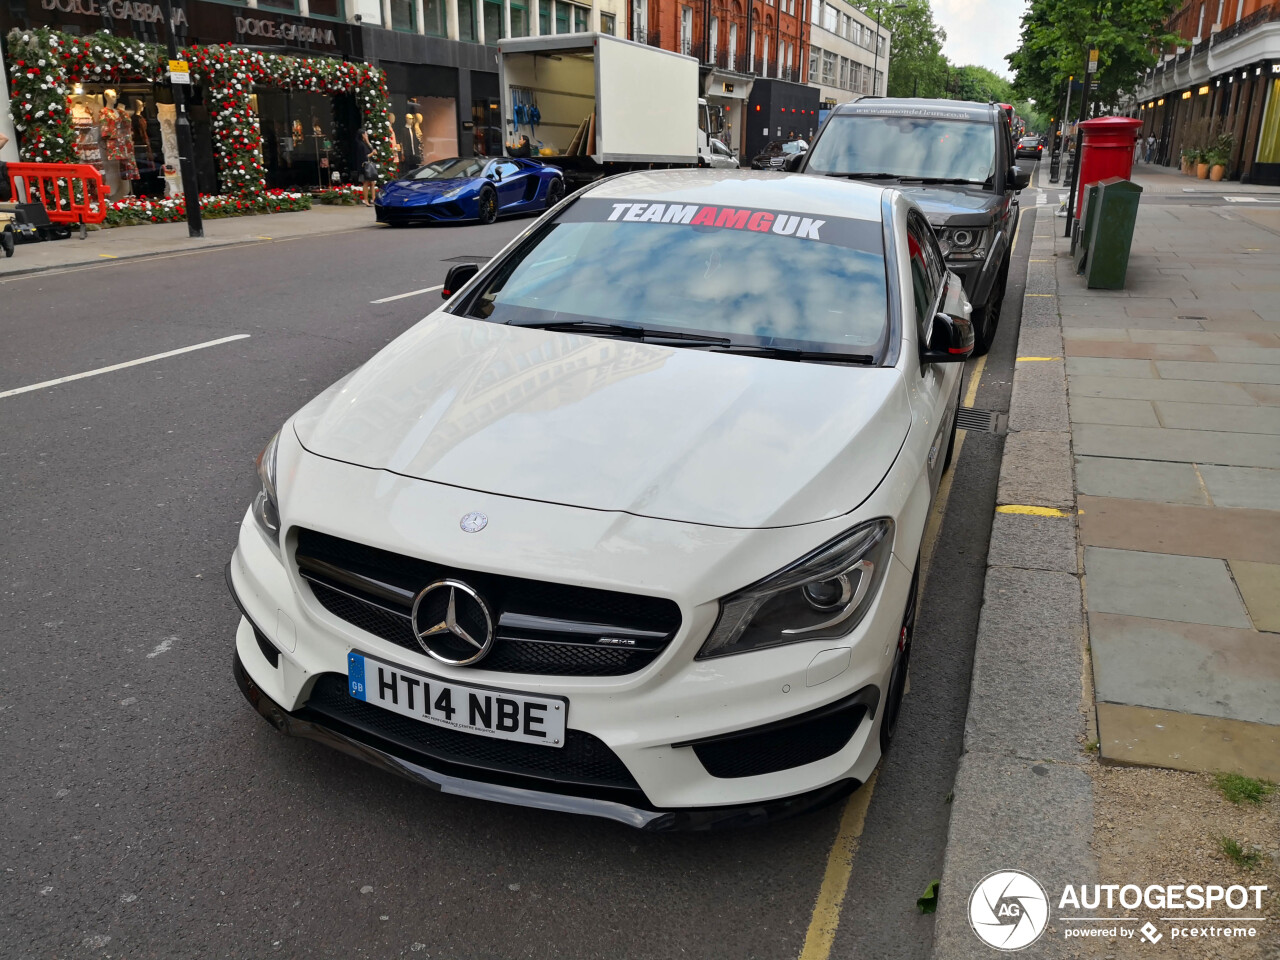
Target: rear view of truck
594, 105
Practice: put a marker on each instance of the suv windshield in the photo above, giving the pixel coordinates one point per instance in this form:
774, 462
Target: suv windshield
752, 277
454, 169
910, 147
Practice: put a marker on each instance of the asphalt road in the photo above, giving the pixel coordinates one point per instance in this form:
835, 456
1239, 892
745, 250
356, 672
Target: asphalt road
150, 813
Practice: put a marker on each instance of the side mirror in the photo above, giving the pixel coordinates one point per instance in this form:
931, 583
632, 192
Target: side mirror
1018, 178
458, 276
950, 340
793, 162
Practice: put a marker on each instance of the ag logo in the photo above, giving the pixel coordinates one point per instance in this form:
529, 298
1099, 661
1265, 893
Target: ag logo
1008, 910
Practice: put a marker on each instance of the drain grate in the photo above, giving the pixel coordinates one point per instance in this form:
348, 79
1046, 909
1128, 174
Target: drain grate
466, 258
985, 421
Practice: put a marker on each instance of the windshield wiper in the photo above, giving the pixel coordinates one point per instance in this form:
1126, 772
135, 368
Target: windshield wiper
976, 183
624, 331
794, 353
865, 176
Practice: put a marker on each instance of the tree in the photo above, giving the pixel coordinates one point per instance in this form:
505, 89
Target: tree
917, 67
1057, 35
973, 82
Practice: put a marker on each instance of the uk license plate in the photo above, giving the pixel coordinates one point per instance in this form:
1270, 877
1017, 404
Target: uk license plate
486, 711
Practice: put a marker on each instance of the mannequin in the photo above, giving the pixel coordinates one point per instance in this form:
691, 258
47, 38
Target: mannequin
412, 142
395, 144
417, 132
109, 122
167, 114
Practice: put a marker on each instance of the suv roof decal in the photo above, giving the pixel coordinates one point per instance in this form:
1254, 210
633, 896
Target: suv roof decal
933, 113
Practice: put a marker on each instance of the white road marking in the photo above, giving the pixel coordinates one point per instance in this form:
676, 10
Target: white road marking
162, 647
121, 366
411, 293
1249, 200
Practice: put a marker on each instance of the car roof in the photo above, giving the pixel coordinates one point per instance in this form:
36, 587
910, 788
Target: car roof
793, 193
919, 106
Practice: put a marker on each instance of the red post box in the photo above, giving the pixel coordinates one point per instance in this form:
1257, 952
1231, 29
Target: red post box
1106, 150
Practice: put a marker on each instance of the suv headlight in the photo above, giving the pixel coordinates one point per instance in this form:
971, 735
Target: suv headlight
266, 510
821, 596
964, 243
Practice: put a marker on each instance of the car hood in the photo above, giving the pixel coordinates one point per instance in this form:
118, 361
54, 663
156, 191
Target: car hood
954, 205
428, 187
673, 434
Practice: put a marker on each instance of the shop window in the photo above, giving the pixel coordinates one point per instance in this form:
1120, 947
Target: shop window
330, 9
467, 20
519, 20
1269, 132
492, 22
429, 130
486, 127
608, 24
436, 14
402, 16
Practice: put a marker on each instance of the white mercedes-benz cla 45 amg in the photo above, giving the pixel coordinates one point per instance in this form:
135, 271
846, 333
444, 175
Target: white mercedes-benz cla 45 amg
630, 525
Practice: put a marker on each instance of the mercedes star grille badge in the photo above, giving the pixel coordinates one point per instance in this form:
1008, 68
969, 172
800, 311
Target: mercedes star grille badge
474, 522
452, 623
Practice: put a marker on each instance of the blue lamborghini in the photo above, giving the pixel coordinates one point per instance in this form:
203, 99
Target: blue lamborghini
470, 188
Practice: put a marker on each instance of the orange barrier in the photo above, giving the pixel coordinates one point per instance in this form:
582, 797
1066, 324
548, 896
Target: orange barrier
73, 193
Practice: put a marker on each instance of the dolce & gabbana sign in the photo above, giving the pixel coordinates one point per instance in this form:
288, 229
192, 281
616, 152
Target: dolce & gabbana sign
285, 30
118, 9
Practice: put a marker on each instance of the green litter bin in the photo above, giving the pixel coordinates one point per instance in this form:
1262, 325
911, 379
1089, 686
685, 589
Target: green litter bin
1111, 234
1080, 235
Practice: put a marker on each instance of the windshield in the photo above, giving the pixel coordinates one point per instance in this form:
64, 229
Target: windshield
916, 147
755, 277
455, 168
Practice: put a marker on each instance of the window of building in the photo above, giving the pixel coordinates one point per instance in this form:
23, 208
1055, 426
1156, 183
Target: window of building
686, 30
828, 67
713, 39
581, 19
764, 52
608, 24
492, 22
562, 18
816, 11
879, 84
328, 9
751, 53
435, 13
733, 46
814, 54
879, 44
519, 19
402, 16
830, 19
544, 18
844, 72
640, 21
467, 20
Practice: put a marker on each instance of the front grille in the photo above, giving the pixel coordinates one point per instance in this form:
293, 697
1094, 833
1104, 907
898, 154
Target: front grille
584, 760
543, 628
792, 743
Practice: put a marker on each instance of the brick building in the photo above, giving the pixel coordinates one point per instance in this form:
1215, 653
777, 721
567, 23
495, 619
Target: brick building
1224, 77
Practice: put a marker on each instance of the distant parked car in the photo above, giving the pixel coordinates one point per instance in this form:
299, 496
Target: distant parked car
470, 188
775, 153
720, 156
1030, 147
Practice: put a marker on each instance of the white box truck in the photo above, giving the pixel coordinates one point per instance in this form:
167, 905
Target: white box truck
593, 104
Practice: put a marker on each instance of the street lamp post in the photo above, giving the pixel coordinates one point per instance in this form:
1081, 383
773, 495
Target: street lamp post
186, 144
875, 69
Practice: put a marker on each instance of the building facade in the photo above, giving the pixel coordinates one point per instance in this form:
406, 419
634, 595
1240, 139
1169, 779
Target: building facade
1223, 78
848, 53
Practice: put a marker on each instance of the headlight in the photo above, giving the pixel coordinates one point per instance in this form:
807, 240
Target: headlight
821, 596
965, 243
455, 192
265, 508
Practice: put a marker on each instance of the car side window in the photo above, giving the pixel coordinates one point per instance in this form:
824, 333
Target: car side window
508, 169
925, 279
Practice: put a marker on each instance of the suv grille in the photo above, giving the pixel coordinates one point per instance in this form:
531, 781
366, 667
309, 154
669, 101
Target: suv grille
542, 628
584, 760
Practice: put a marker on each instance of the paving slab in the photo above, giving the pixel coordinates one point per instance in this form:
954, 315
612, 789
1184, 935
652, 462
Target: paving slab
1189, 667
1185, 741
1190, 531
1138, 413
1037, 469
1114, 322
1265, 393
1246, 487
1139, 351
1224, 372
1238, 354
1259, 585
1187, 446
1045, 817
1107, 367
1162, 587
1140, 480
1096, 333
1203, 338
1218, 416
1191, 391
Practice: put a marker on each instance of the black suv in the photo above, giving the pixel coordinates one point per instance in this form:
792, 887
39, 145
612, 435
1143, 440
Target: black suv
952, 157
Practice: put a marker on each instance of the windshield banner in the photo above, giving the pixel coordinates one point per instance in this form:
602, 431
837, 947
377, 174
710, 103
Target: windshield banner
864, 235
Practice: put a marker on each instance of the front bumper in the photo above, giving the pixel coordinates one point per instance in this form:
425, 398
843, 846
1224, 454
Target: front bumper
639, 816
442, 210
